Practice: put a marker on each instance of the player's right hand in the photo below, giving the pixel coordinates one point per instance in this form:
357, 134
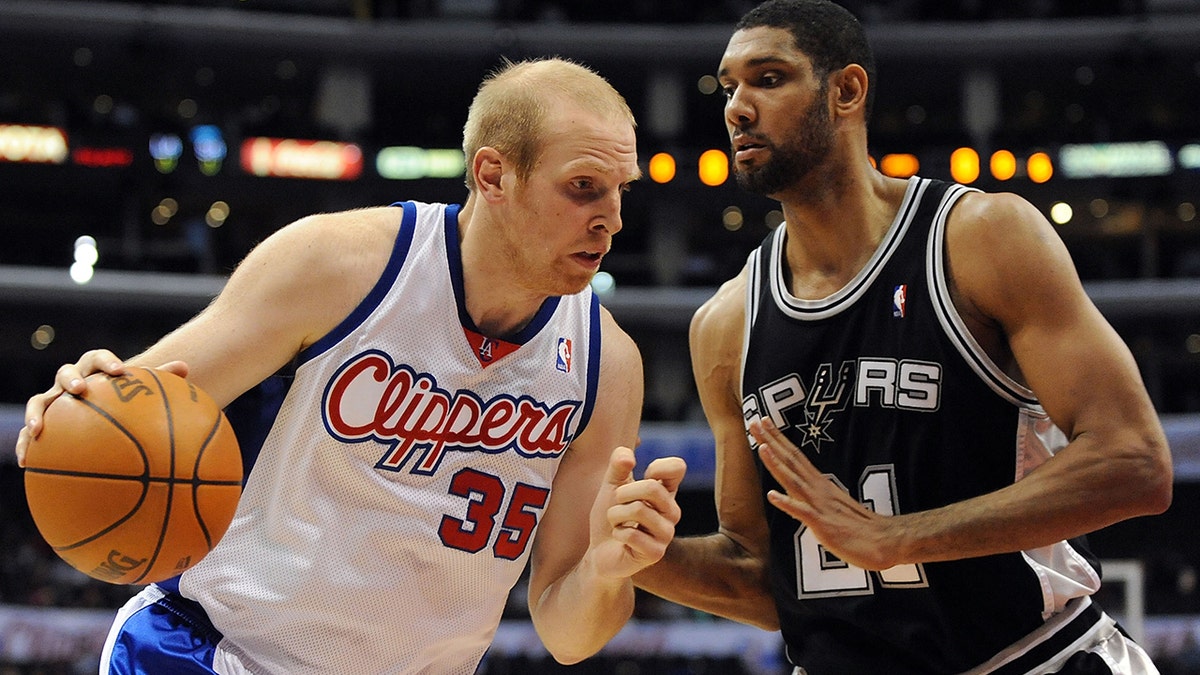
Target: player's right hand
69, 379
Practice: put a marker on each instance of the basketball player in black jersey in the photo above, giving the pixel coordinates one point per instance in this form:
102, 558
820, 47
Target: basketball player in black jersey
918, 412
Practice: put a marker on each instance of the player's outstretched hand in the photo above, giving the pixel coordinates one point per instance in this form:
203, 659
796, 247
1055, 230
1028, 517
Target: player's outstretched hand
69, 379
845, 527
634, 520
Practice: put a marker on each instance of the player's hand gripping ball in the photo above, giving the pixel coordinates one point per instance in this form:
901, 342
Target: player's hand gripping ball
137, 479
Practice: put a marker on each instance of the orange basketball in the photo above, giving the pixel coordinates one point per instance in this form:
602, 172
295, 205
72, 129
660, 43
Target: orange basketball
136, 480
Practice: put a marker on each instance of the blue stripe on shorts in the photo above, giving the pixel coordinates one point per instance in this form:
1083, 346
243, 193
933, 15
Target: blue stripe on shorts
170, 636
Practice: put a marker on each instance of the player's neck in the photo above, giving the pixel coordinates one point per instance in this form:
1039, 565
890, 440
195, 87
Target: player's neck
832, 232
498, 304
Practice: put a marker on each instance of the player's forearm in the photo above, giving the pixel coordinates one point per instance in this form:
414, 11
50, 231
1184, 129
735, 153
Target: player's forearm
713, 574
1078, 491
581, 612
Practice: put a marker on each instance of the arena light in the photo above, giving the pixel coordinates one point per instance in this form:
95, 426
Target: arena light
662, 168
43, 337
1186, 212
1189, 156
1061, 213
32, 144
293, 158
102, 158
402, 162
964, 165
86, 256
1118, 160
165, 150
209, 147
732, 218
899, 165
1003, 165
714, 167
604, 284
217, 214
1039, 167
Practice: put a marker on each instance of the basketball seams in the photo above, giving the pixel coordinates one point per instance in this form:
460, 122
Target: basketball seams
171, 480
111, 527
116, 531
196, 482
137, 444
143, 479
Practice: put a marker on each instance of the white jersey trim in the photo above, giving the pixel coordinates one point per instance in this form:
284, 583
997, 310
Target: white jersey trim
953, 324
811, 310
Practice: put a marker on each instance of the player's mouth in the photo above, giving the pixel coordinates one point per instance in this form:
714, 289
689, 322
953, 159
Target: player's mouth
746, 147
590, 260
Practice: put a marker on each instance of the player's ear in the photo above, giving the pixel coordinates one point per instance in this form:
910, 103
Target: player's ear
488, 168
849, 86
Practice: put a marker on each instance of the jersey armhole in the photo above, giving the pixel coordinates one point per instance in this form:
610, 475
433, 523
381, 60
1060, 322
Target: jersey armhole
593, 365
364, 309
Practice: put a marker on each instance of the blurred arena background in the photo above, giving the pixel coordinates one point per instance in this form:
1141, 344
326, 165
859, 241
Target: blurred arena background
146, 146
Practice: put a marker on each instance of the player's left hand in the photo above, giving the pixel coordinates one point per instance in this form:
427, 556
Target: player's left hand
632, 521
843, 525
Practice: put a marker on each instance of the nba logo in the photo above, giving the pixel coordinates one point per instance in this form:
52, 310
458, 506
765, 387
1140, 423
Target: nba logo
899, 295
563, 361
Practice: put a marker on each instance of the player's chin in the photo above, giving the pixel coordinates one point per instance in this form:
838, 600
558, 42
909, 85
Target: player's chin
570, 284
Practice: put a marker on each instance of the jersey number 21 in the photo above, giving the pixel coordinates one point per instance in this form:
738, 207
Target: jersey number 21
820, 574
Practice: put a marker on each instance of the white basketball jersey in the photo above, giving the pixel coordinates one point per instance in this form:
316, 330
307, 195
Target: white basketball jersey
393, 504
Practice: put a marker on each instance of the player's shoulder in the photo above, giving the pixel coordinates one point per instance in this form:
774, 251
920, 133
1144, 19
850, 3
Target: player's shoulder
725, 310
338, 238
992, 216
717, 327
350, 225
618, 349
993, 229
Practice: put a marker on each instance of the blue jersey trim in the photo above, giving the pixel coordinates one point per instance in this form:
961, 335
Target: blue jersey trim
395, 263
593, 366
454, 256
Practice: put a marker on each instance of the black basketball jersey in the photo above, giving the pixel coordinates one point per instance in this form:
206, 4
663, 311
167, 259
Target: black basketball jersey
884, 389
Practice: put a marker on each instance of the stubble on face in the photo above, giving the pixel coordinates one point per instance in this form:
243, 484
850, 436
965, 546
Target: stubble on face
552, 224
796, 156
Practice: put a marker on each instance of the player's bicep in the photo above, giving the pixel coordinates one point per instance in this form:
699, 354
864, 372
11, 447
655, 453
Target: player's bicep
291, 287
716, 344
1015, 269
563, 534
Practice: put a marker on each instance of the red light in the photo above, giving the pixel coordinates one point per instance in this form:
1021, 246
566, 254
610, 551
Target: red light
102, 158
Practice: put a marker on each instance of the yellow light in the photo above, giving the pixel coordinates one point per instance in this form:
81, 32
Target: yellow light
662, 168
964, 165
1061, 213
1039, 167
899, 165
714, 167
1003, 165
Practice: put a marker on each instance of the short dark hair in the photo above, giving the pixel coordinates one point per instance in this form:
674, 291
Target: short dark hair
827, 33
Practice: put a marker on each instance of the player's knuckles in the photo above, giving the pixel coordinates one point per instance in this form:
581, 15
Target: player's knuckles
65, 373
666, 468
631, 512
638, 490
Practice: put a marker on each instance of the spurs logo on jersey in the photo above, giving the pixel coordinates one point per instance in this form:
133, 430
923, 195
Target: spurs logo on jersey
414, 418
888, 383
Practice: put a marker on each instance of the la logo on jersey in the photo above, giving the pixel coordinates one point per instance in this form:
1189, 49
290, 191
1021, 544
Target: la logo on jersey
886, 383
488, 350
371, 398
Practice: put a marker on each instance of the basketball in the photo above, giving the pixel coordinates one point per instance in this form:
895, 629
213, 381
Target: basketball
137, 479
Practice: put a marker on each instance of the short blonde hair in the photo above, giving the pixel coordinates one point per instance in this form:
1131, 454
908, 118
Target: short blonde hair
510, 108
